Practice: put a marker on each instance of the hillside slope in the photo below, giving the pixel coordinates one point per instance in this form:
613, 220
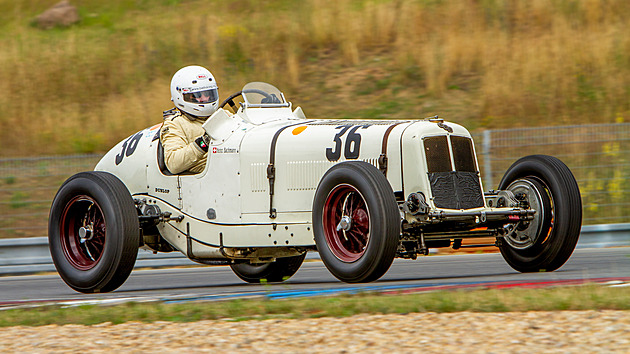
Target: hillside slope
486, 63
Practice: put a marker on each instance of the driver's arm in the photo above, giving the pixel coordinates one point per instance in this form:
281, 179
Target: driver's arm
181, 153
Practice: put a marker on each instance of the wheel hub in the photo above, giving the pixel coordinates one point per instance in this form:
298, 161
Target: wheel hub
525, 234
345, 223
86, 233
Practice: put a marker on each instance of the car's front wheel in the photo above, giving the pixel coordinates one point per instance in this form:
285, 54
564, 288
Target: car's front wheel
93, 232
356, 222
545, 243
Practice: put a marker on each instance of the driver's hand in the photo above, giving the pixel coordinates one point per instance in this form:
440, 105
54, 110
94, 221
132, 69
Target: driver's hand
206, 138
203, 142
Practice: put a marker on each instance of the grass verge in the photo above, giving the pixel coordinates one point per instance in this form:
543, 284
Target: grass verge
586, 297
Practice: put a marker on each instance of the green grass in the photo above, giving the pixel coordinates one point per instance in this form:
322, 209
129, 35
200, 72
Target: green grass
587, 297
9, 179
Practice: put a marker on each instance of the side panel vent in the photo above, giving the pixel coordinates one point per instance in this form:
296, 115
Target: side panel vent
305, 175
373, 162
259, 177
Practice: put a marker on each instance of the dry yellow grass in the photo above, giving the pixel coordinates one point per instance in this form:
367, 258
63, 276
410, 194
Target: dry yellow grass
486, 63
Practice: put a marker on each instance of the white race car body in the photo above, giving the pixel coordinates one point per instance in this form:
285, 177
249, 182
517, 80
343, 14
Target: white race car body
277, 185
229, 203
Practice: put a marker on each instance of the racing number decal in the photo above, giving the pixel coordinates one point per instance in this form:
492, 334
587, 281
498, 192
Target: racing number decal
336, 154
352, 146
129, 147
353, 143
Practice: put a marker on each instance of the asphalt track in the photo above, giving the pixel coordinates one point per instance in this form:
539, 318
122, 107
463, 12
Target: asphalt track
602, 265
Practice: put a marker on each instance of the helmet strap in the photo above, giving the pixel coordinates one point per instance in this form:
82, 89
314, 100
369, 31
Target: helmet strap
191, 117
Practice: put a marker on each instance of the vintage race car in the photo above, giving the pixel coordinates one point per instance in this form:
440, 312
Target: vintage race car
277, 185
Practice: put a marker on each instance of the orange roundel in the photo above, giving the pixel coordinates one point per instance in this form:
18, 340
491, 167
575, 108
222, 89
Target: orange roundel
298, 130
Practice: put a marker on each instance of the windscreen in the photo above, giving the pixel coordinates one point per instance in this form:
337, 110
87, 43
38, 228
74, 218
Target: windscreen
263, 94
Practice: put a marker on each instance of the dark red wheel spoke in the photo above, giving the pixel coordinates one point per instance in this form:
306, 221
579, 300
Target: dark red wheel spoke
361, 220
89, 251
98, 240
338, 213
90, 215
95, 249
359, 236
347, 204
358, 239
352, 203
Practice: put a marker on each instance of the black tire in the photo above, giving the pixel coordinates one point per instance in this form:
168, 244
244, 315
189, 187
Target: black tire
274, 272
361, 248
548, 241
93, 232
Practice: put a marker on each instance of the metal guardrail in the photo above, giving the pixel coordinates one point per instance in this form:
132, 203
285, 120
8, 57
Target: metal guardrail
31, 255
604, 235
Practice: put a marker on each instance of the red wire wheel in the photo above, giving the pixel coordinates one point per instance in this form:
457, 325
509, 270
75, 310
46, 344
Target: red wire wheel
83, 231
346, 223
93, 232
356, 222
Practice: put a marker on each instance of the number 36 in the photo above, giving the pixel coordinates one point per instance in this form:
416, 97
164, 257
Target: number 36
352, 145
129, 147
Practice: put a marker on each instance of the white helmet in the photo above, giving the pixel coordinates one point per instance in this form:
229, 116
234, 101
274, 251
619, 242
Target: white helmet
194, 91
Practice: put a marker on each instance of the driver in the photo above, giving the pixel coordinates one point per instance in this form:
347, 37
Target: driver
195, 95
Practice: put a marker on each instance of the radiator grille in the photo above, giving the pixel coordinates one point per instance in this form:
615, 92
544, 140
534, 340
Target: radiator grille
458, 187
463, 154
438, 157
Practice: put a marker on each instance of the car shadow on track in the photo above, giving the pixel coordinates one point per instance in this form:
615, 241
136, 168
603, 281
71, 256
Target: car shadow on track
298, 284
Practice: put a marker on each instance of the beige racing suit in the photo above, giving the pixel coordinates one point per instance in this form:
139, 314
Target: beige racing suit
178, 134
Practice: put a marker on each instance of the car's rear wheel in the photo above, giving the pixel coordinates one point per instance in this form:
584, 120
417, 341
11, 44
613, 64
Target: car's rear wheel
93, 232
356, 222
546, 242
273, 272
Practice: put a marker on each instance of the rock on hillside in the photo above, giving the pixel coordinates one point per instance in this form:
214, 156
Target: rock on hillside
62, 14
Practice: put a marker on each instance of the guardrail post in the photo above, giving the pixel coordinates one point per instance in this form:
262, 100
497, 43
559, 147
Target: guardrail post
487, 164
